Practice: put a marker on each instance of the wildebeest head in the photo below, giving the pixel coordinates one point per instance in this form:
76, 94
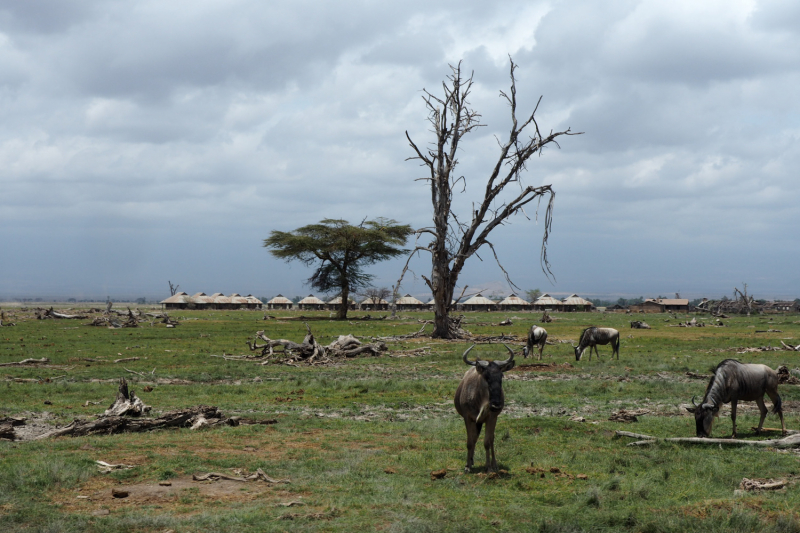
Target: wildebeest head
579, 352
492, 373
704, 417
525, 351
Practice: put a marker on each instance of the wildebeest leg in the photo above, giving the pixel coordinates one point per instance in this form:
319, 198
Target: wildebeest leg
473, 431
488, 443
733, 417
764, 411
596, 352
777, 408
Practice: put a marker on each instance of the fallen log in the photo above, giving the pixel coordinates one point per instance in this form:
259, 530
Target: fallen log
105, 467
42, 314
259, 475
25, 362
757, 484
639, 324
790, 347
121, 424
791, 441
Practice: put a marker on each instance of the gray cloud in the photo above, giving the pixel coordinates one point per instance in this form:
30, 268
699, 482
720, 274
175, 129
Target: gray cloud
145, 141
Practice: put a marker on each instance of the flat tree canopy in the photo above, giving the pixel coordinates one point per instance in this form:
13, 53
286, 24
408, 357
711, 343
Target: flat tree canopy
339, 251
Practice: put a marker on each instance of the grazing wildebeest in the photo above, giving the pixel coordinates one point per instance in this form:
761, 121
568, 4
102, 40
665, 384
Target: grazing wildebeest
536, 337
479, 400
733, 382
591, 337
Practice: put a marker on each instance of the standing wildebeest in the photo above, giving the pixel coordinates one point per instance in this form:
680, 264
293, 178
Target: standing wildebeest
479, 400
591, 337
734, 381
536, 337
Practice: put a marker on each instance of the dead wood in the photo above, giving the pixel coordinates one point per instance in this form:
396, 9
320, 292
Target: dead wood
311, 351
126, 403
42, 314
416, 352
693, 375
4, 320
546, 317
751, 485
790, 347
624, 415
420, 333
489, 339
7, 425
785, 377
768, 331
639, 324
126, 359
105, 467
259, 475
120, 424
131, 320
26, 362
791, 441
759, 349
506, 322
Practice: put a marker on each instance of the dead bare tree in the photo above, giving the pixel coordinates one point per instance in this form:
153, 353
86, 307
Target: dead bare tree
454, 240
173, 289
747, 302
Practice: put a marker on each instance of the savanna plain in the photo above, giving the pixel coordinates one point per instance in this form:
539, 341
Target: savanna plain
358, 439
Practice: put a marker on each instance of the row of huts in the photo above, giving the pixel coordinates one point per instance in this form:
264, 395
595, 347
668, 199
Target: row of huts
409, 303
478, 302
201, 300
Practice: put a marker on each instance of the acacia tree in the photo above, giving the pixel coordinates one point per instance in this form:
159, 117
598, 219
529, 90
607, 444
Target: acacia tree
339, 252
457, 238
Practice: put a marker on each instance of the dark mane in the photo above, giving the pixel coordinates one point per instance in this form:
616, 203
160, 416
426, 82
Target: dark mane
725, 362
580, 339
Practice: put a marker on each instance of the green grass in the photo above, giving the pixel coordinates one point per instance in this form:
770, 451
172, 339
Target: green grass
359, 439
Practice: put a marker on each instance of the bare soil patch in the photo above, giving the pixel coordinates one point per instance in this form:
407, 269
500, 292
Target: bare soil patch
180, 494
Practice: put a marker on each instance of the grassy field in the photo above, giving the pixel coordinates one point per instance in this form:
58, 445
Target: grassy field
359, 439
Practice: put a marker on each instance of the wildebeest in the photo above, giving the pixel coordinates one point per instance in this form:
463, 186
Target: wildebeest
591, 337
536, 337
733, 382
479, 400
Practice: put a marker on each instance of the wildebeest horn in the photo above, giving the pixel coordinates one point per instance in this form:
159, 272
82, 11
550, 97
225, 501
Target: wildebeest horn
464, 357
501, 363
693, 402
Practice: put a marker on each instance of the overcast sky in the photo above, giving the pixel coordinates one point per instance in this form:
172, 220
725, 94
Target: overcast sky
146, 142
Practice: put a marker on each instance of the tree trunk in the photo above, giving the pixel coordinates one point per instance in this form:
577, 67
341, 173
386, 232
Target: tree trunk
342, 313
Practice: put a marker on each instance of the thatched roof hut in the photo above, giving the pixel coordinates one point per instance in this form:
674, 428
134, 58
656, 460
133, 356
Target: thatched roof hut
279, 302
201, 300
334, 304
179, 300
513, 303
479, 303
409, 303
576, 303
311, 302
374, 304
545, 301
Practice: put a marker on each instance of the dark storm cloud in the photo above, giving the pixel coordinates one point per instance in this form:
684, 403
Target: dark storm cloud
143, 136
